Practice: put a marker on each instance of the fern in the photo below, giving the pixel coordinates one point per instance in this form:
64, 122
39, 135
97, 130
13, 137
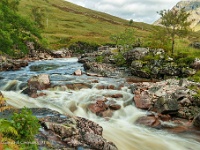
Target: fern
8, 144
7, 129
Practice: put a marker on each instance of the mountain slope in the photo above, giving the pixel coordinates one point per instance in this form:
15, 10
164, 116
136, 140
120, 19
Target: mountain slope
192, 7
66, 22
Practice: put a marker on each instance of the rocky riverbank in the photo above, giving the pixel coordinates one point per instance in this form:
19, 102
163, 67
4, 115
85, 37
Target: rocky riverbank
7, 64
141, 62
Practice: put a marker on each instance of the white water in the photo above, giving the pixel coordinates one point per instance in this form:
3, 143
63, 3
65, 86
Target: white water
120, 129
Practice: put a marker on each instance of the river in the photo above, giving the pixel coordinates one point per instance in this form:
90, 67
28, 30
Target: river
120, 128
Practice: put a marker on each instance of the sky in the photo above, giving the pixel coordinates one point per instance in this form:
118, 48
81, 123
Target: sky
137, 10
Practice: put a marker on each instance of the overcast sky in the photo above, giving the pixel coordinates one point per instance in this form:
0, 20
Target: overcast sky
138, 10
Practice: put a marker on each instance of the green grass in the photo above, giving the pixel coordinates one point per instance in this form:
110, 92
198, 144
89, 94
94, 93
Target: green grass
66, 20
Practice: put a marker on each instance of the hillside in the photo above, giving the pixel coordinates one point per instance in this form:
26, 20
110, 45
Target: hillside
66, 23
192, 7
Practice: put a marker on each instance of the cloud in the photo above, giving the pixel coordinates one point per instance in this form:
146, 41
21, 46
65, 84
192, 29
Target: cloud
138, 10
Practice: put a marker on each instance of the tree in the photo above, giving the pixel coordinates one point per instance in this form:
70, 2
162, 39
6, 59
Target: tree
125, 39
15, 30
159, 39
131, 22
176, 23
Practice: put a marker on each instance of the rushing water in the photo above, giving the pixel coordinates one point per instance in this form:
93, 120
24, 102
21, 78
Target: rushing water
120, 129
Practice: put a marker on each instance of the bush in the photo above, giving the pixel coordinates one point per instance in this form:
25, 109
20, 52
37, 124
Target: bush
27, 126
83, 47
119, 59
20, 130
196, 77
184, 58
99, 59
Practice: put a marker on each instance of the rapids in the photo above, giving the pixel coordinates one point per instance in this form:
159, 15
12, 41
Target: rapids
120, 128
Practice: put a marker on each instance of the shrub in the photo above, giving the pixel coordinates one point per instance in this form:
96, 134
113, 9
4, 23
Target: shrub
119, 59
99, 59
27, 126
196, 77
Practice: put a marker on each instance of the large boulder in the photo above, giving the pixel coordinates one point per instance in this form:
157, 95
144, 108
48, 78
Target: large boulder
142, 99
39, 82
62, 53
166, 105
196, 64
35, 83
135, 54
77, 132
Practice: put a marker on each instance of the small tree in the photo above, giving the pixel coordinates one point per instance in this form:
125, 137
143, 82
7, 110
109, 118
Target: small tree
176, 23
125, 39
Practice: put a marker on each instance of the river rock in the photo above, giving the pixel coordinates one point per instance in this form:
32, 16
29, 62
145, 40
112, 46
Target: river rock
142, 99
150, 121
196, 64
78, 72
62, 53
196, 121
39, 82
35, 83
98, 107
77, 132
135, 54
166, 105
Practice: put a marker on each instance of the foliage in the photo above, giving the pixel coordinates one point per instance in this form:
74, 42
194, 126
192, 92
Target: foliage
119, 59
184, 59
131, 22
176, 23
158, 39
83, 47
125, 39
99, 59
20, 130
151, 57
7, 129
26, 124
14, 29
196, 77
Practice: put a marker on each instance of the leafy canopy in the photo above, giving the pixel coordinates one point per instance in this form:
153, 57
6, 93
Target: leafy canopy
176, 23
15, 30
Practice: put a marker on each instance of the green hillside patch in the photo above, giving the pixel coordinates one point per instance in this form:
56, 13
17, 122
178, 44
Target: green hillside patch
63, 20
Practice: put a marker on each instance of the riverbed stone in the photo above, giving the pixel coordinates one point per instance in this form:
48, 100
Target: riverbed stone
166, 105
98, 107
78, 72
142, 99
196, 121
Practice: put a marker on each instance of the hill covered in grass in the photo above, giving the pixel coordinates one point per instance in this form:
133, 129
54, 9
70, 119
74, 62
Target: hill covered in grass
65, 23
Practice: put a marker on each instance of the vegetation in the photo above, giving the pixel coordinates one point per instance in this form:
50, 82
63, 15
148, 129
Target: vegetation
195, 78
64, 20
125, 40
19, 131
158, 39
15, 31
176, 24
120, 59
